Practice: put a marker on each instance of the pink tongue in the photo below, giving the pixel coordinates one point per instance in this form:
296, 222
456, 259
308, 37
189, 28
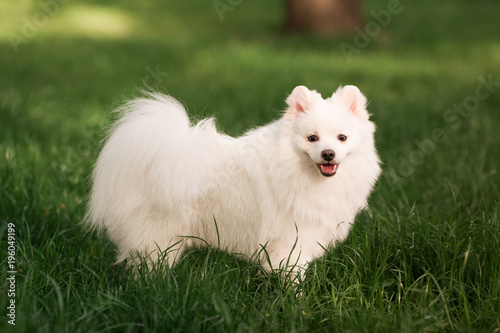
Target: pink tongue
328, 168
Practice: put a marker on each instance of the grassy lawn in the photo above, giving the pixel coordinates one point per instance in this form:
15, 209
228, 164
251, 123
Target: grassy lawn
424, 258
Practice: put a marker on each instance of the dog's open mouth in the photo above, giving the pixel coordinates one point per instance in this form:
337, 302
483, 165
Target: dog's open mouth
327, 170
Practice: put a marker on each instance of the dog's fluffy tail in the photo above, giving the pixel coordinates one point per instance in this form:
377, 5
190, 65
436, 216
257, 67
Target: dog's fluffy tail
153, 157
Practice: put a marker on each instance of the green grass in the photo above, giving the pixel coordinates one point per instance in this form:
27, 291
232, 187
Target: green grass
424, 258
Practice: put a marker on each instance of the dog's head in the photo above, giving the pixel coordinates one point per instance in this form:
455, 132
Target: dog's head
328, 130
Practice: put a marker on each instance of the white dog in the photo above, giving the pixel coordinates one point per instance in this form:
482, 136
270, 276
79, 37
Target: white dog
292, 187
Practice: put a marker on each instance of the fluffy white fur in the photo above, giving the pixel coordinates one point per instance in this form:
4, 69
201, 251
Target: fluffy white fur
159, 178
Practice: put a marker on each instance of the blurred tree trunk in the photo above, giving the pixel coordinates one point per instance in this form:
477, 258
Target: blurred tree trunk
323, 16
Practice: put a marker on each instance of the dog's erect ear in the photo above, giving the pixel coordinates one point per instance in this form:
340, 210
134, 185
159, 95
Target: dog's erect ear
355, 101
300, 100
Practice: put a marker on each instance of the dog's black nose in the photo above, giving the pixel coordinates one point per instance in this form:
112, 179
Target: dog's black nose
328, 155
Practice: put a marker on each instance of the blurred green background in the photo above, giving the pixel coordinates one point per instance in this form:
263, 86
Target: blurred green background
65, 65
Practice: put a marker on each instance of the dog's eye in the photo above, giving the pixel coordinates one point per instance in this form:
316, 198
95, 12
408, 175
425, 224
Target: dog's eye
312, 138
342, 137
